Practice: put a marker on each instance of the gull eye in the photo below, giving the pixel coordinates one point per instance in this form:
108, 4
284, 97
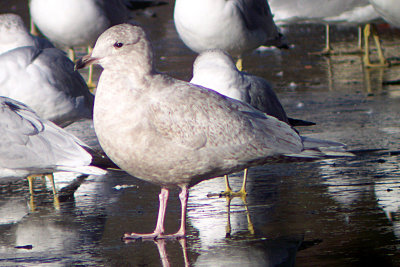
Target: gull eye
118, 45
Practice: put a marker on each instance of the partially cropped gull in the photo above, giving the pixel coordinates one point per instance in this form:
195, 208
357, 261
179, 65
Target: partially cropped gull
170, 132
45, 80
14, 34
339, 12
389, 11
215, 69
235, 26
31, 146
76, 23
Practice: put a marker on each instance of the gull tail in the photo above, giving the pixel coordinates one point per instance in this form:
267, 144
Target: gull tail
318, 148
89, 170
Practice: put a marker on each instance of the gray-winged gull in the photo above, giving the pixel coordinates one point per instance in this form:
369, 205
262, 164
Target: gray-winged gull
45, 80
32, 146
72, 23
215, 69
13, 34
235, 26
351, 12
389, 11
170, 132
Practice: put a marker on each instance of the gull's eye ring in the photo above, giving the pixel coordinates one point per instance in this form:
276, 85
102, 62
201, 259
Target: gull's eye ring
118, 45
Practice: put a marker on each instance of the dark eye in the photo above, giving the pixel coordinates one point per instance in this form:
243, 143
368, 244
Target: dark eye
118, 45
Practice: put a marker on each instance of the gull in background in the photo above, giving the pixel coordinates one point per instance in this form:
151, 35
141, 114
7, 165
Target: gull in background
348, 12
45, 80
31, 146
215, 69
235, 26
73, 23
13, 34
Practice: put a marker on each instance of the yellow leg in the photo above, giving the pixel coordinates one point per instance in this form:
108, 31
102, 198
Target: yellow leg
242, 191
239, 64
368, 31
250, 225
327, 50
228, 228
90, 82
31, 198
228, 190
71, 54
34, 30
56, 201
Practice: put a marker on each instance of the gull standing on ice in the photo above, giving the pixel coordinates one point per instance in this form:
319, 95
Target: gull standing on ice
32, 146
170, 132
348, 12
235, 26
72, 23
389, 10
13, 34
215, 69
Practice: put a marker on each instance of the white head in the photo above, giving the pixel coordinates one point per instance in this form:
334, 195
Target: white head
13, 33
119, 46
216, 70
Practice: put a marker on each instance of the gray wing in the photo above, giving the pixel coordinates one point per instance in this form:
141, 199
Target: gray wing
257, 16
37, 76
203, 119
42, 43
256, 13
29, 142
263, 97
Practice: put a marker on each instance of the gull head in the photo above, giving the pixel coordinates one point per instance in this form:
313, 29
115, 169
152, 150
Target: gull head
123, 46
214, 59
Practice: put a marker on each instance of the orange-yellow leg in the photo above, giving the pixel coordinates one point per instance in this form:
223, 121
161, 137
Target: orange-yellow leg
368, 31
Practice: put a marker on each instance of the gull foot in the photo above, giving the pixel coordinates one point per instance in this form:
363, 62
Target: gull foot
153, 236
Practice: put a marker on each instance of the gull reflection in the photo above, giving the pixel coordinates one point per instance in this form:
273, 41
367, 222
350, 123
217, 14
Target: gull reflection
387, 191
227, 234
341, 184
58, 237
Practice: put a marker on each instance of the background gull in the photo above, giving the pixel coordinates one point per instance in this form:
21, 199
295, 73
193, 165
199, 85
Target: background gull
215, 69
170, 132
45, 80
349, 12
32, 146
13, 34
235, 26
72, 23
389, 10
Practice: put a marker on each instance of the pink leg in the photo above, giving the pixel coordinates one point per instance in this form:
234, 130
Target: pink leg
183, 196
159, 230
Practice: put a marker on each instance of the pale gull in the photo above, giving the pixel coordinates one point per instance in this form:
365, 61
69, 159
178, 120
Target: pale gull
235, 26
348, 12
389, 10
76, 23
170, 132
215, 69
13, 34
45, 80
32, 146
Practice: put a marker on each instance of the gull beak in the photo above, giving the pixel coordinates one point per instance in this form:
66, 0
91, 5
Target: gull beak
84, 62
